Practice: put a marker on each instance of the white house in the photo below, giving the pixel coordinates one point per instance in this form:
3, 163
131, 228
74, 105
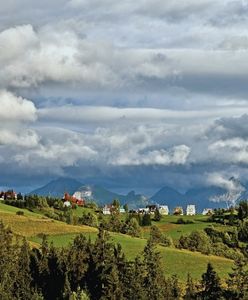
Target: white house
190, 211
163, 209
67, 204
122, 210
207, 211
106, 210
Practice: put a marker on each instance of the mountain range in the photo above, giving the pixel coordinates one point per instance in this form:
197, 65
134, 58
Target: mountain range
202, 197
100, 195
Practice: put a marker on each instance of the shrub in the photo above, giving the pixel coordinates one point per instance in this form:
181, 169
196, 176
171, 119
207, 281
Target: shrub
20, 213
196, 241
146, 221
182, 221
157, 236
89, 219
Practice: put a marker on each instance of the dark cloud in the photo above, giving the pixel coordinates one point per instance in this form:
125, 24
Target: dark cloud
129, 94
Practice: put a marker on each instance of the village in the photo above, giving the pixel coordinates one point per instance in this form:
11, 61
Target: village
80, 198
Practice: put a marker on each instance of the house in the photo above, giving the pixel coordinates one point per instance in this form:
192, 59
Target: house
67, 204
107, 209
163, 210
143, 210
190, 210
122, 210
9, 195
152, 208
178, 211
207, 211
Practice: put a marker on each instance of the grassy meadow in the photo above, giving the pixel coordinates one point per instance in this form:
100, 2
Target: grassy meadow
174, 261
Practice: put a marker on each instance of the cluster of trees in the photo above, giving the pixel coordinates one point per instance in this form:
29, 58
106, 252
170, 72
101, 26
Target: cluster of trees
99, 270
212, 241
232, 216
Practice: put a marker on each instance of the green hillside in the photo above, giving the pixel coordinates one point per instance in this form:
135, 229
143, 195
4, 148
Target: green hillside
175, 261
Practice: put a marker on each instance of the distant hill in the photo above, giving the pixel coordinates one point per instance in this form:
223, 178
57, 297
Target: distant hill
201, 196
100, 195
168, 196
103, 196
58, 187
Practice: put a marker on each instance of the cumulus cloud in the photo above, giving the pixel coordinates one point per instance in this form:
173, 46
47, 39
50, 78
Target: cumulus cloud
14, 108
231, 150
176, 156
117, 88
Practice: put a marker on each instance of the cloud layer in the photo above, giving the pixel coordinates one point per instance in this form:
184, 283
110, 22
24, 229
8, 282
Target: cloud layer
129, 94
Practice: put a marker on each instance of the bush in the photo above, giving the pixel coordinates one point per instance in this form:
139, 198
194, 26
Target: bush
146, 221
243, 231
20, 213
133, 228
89, 219
157, 236
196, 241
182, 221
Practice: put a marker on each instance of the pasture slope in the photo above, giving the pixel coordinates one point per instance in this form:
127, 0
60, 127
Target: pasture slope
174, 261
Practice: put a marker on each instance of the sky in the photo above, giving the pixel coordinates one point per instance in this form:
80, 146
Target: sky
128, 94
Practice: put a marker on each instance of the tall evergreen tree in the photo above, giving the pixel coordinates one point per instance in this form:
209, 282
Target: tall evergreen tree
154, 280
238, 280
23, 281
77, 262
211, 288
190, 293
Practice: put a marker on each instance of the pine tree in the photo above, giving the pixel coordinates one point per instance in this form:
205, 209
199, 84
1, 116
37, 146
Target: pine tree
211, 288
190, 293
134, 280
154, 281
77, 262
238, 281
8, 262
23, 280
157, 215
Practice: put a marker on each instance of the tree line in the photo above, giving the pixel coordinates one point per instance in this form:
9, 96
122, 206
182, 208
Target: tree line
99, 270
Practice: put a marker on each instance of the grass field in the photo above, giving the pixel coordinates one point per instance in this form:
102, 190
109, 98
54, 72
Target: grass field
168, 225
32, 224
174, 261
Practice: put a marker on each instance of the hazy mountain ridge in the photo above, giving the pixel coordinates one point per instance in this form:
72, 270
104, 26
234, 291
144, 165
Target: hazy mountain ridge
201, 196
100, 195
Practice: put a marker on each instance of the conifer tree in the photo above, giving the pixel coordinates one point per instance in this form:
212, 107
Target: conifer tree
23, 280
77, 262
211, 288
238, 281
154, 280
190, 293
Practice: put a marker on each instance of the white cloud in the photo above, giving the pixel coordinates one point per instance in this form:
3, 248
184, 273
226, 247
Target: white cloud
14, 108
176, 156
26, 138
231, 150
